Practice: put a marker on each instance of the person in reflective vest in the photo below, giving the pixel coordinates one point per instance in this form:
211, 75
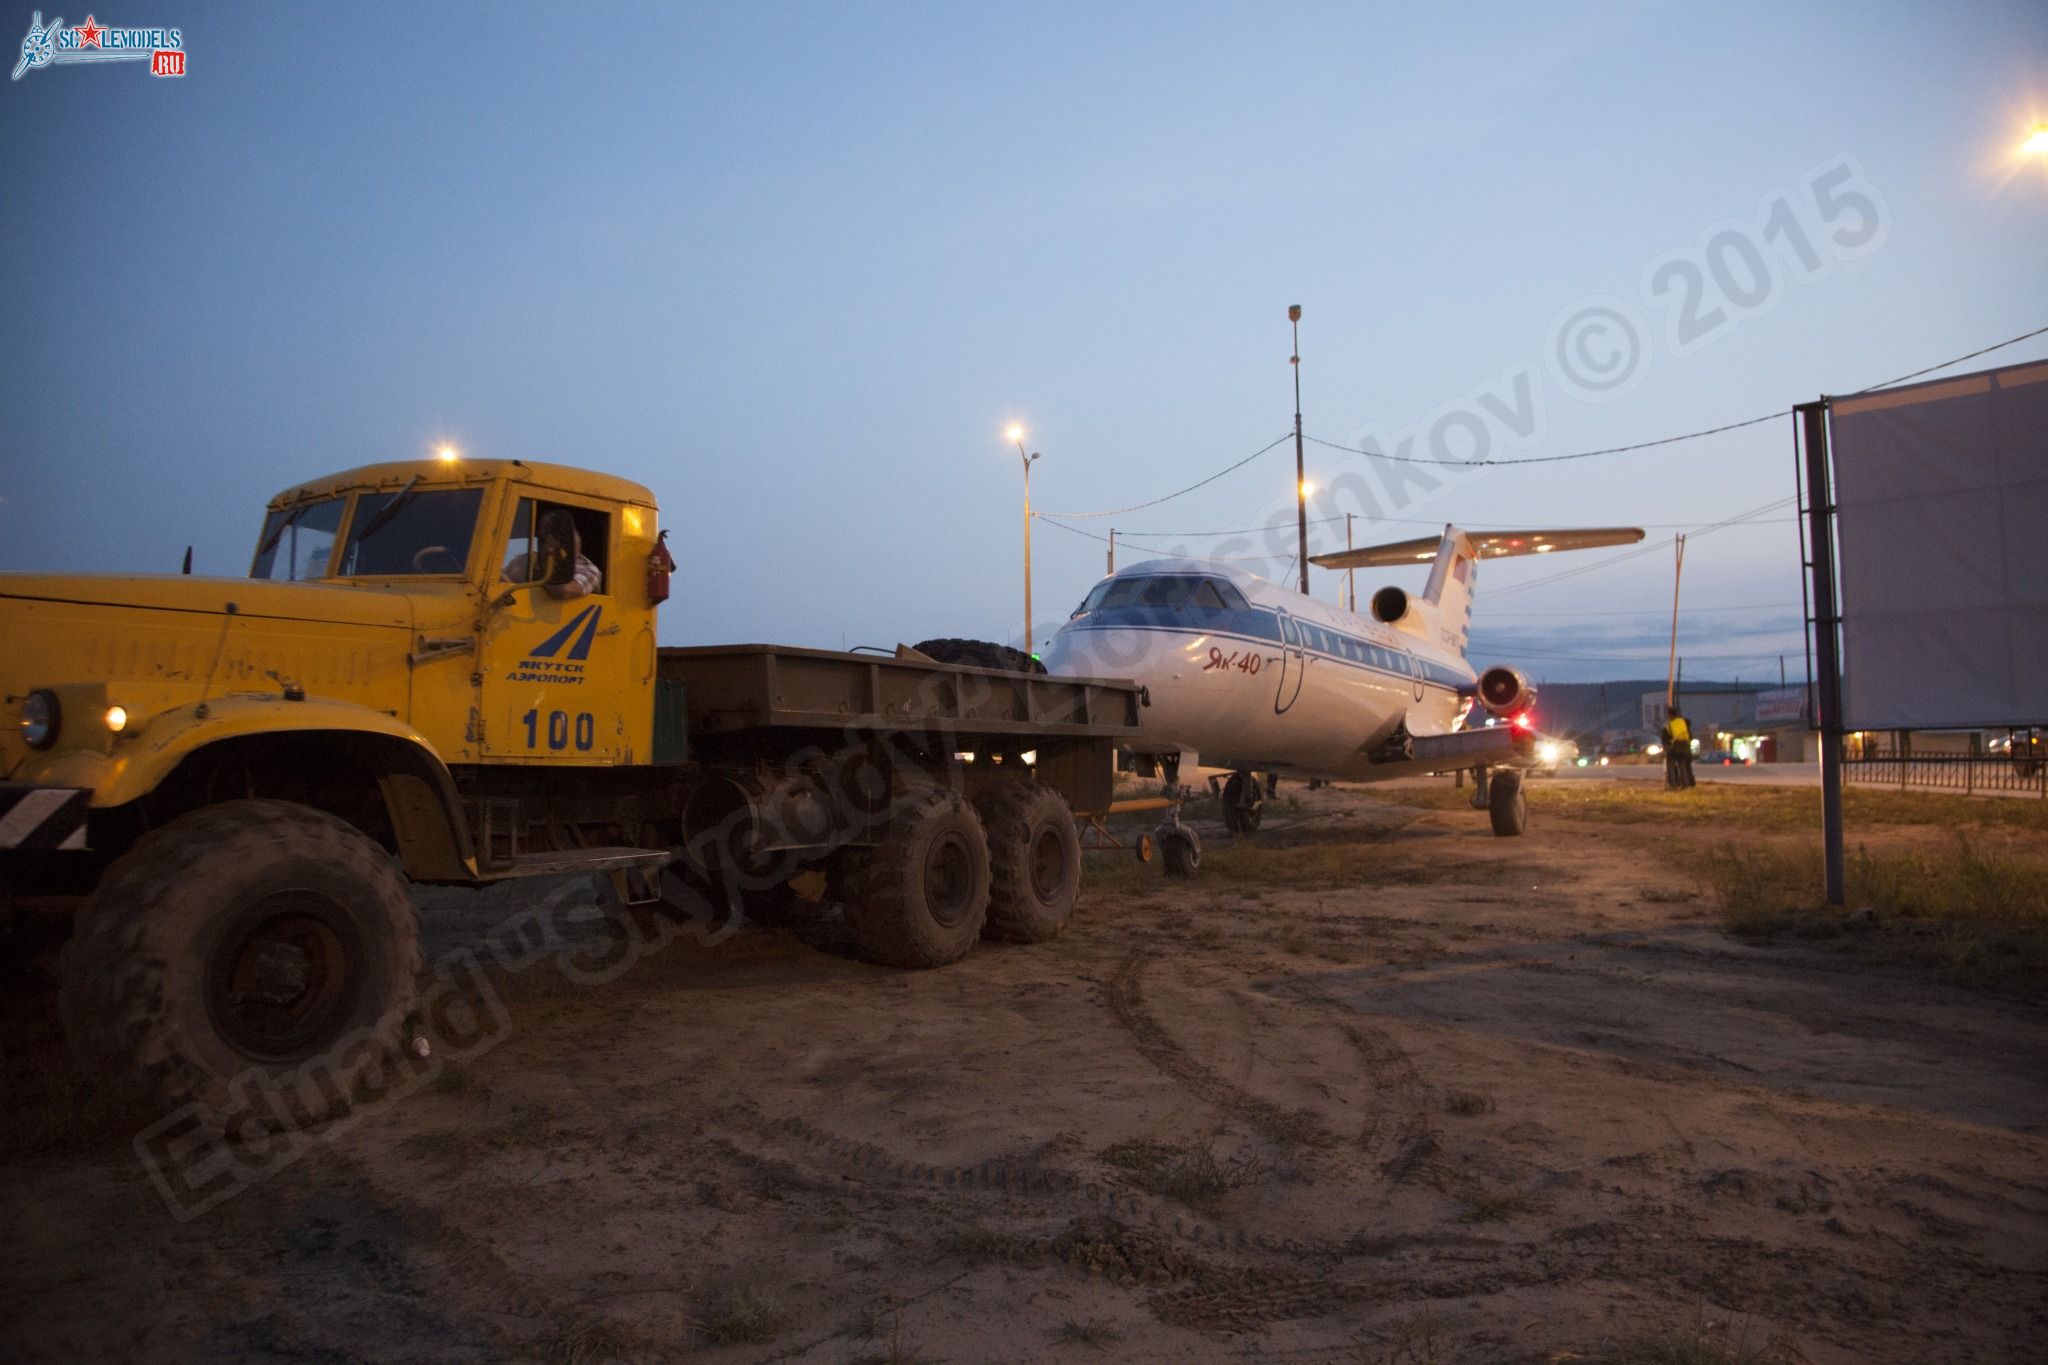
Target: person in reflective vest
1677, 737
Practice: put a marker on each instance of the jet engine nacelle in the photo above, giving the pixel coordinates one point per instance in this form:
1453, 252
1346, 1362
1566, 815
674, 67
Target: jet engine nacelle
1389, 605
1505, 692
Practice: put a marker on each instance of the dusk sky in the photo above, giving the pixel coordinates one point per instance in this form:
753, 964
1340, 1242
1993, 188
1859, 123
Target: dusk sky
795, 268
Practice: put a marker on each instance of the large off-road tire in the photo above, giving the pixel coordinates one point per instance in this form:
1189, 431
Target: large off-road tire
979, 654
1506, 806
258, 958
1034, 857
920, 897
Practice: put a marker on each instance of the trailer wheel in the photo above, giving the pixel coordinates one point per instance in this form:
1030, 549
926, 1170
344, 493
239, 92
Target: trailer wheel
1506, 805
1034, 857
256, 957
920, 898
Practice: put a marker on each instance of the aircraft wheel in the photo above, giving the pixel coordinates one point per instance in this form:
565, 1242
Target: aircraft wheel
1506, 805
1242, 805
1179, 849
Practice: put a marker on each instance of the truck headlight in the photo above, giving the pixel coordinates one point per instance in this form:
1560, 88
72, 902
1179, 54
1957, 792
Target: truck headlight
40, 717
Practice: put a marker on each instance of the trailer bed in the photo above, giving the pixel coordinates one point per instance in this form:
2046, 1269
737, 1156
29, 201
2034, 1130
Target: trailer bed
730, 688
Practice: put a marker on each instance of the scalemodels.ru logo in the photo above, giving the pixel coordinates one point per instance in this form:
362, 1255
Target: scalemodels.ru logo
162, 48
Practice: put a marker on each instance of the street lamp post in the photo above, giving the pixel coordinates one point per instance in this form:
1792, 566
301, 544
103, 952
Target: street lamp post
1300, 473
1016, 435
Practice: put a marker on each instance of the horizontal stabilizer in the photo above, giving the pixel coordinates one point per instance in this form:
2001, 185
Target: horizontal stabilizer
1487, 545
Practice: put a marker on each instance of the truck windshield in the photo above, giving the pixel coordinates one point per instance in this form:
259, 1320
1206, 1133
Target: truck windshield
297, 541
411, 531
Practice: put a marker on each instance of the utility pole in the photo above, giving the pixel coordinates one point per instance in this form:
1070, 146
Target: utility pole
1300, 468
1350, 575
1671, 676
1016, 434
1112, 549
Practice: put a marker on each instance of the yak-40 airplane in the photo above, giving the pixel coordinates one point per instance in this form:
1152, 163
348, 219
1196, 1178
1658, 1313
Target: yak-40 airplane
1252, 677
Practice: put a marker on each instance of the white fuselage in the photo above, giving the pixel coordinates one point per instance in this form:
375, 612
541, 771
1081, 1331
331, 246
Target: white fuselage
1250, 675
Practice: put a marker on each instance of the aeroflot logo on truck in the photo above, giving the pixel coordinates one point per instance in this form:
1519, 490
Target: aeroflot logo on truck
542, 663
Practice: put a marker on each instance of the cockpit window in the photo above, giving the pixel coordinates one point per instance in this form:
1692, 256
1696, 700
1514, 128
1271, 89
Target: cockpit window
1169, 592
411, 531
297, 541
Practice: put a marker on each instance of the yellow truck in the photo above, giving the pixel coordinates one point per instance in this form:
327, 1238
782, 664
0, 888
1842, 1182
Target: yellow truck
447, 672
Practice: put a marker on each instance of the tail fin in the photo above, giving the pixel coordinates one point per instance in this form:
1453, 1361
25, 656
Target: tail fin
1450, 586
1457, 554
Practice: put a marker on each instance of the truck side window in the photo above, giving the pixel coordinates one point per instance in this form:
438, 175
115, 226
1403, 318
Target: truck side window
297, 542
594, 528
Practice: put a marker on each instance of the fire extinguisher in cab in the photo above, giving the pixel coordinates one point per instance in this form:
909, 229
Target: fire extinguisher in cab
660, 564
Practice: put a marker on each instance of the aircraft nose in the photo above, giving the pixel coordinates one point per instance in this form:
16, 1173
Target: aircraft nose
1081, 651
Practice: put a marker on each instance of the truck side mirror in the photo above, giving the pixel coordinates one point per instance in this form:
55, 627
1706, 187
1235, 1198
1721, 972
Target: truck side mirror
557, 548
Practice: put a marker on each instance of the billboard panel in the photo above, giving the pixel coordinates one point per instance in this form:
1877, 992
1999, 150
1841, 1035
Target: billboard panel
1942, 497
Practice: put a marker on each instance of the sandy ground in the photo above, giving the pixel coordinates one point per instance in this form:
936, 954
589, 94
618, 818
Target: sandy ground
1487, 1100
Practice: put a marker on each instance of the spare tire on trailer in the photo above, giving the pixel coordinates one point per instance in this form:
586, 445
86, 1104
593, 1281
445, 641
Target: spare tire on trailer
1034, 856
979, 654
256, 959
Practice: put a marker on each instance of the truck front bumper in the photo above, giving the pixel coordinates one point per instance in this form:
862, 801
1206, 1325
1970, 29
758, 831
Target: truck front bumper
42, 818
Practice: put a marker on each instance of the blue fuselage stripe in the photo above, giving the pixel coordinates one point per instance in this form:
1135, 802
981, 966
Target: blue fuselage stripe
1264, 629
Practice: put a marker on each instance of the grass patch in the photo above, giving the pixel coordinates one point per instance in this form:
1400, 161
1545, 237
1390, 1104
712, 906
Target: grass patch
1190, 1175
1467, 1103
1495, 1206
746, 1314
1973, 916
587, 1340
1100, 1335
1698, 1342
1759, 809
979, 1244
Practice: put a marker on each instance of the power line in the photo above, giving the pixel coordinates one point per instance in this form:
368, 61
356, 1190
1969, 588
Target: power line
1550, 459
1139, 506
1641, 550
1530, 459
1653, 611
1995, 346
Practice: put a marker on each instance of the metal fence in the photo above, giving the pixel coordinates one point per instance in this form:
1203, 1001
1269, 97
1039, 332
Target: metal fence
1967, 773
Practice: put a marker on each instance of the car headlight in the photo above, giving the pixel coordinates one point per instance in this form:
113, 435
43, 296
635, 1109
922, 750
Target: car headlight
40, 717
1547, 752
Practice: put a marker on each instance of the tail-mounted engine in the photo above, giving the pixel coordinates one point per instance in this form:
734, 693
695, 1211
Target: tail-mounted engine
1505, 692
1389, 605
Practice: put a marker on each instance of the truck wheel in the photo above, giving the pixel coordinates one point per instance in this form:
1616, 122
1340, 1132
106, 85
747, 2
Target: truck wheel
919, 899
1034, 859
979, 654
1505, 804
230, 948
